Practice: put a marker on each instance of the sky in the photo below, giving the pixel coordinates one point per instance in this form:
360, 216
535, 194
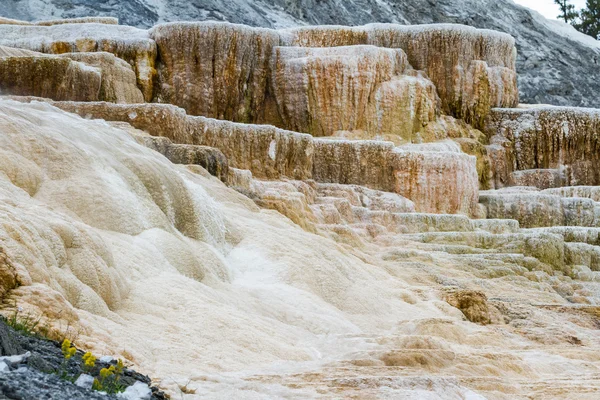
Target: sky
547, 7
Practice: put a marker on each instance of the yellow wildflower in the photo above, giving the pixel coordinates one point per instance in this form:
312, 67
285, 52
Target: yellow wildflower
66, 345
67, 350
120, 367
89, 360
106, 372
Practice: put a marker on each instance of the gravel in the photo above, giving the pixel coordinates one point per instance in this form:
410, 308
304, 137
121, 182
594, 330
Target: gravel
31, 368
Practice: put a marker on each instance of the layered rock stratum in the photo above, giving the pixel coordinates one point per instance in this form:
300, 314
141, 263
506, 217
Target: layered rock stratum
314, 212
557, 65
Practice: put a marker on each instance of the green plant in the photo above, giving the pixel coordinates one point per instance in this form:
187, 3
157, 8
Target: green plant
89, 362
25, 323
109, 379
30, 324
68, 352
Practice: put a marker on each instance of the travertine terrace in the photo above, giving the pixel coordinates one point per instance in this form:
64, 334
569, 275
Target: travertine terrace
317, 212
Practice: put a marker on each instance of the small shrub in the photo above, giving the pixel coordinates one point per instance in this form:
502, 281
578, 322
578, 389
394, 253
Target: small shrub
25, 323
109, 379
89, 362
35, 325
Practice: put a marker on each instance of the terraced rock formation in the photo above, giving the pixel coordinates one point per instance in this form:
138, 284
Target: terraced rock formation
319, 212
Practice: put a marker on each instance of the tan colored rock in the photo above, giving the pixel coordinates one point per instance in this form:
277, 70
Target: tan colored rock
417, 173
539, 178
360, 196
51, 77
558, 138
362, 162
9, 21
130, 44
83, 20
472, 69
473, 305
208, 158
476, 148
324, 90
480, 73
119, 83
590, 192
216, 70
267, 151
439, 179
538, 209
8, 275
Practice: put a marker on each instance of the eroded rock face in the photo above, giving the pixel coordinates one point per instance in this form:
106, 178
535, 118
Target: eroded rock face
533, 208
324, 90
48, 76
480, 72
473, 70
418, 173
51, 77
215, 70
212, 161
558, 138
267, 151
473, 305
438, 181
127, 43
119, 83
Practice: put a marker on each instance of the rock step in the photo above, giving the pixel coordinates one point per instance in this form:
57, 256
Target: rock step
209, 158
365, 197
545, 138
262, 82
571, 234
335, 210
546, 247
534, 208
273, 153
590, 192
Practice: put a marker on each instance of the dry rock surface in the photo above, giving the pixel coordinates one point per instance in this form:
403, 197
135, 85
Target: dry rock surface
317, 212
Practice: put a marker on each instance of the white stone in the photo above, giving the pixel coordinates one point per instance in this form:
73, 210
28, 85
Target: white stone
85, 381
137, 391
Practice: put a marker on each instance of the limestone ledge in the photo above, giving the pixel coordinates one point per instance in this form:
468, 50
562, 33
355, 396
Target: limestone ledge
325, 90
472, 69
222, 70
50, 77
127, 43
69, 76
534, 208
436, 180
561, 140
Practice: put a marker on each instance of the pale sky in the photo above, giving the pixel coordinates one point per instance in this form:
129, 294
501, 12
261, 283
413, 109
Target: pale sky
547, 7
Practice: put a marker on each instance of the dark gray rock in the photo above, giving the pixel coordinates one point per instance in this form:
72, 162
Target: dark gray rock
41, 378
9, 346
552, 68
32, 384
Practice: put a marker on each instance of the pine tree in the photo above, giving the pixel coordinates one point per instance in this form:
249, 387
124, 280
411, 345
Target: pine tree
590, 19
567, 10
